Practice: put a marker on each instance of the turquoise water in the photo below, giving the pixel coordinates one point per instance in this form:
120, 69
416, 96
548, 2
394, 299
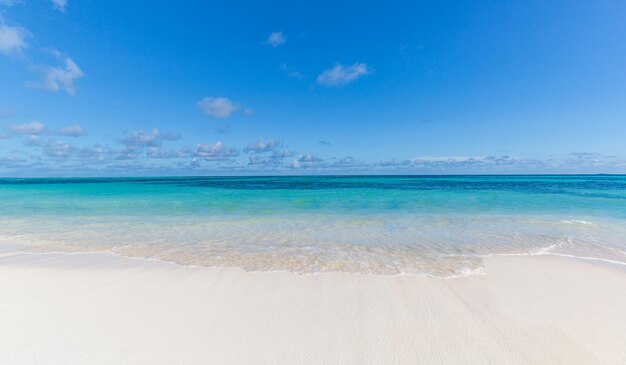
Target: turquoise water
432, 225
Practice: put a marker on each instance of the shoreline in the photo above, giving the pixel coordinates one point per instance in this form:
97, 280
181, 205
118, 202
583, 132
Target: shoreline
103, 308
11, 247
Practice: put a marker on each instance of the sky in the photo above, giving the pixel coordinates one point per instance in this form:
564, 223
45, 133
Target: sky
115, 88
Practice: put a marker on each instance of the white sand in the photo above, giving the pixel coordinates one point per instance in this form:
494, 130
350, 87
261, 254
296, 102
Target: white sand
98, 308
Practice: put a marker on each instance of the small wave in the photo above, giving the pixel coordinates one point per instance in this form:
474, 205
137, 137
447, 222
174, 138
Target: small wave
546, 252
578, 221
467, 272
591, 258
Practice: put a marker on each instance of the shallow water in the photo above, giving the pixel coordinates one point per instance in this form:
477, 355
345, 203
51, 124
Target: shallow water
431, 225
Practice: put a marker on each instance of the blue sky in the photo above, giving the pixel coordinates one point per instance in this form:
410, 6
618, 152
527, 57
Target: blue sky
294, 87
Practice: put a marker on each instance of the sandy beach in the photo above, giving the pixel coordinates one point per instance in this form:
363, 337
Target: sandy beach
312, 182
100, 308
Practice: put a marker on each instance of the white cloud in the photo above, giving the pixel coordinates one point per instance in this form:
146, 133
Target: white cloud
72, 131
307, 160
136, 142
215, 152
96, 153
263, 161
218, 106
347, 162
152, 139
34, 140
275, 39
27, 128
12, 39
282, 154
341, 75
58, 149
274, 160
59, 4
60, 78
463, 163
158, 152
261, 146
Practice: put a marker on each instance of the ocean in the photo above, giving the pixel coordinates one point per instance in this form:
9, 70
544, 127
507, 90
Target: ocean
438, 226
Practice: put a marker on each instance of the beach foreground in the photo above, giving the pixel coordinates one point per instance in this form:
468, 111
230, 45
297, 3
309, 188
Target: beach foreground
101, 308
